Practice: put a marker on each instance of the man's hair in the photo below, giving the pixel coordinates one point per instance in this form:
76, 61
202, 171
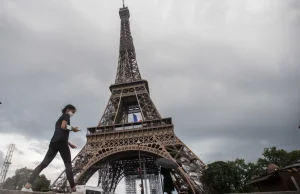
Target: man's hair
69, 106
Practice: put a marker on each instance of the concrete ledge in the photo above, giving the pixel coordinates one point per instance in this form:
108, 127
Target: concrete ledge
279, 192
4, 191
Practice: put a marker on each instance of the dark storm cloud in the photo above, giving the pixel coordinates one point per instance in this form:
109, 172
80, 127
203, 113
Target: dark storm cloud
43, 68
233, 96
228, 76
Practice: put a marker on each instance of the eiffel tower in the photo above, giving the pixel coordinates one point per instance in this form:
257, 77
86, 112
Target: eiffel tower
113, 146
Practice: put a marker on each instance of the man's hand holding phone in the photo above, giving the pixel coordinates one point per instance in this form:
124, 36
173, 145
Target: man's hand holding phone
75, 129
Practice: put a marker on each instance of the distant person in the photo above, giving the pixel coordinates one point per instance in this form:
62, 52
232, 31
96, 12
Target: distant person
59, 143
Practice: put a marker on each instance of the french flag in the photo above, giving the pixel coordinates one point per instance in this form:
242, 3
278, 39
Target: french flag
136, 118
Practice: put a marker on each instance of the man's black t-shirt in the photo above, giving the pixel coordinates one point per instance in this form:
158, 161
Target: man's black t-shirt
61, 135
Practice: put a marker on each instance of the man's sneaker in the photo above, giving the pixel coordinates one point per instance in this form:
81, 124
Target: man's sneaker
26, 190
76, 192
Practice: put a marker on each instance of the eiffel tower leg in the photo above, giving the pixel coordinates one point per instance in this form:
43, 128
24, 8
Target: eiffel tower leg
191, 166
115, 175
110, 174
103, 172
103, 176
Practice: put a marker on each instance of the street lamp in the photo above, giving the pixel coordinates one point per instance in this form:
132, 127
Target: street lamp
141, 174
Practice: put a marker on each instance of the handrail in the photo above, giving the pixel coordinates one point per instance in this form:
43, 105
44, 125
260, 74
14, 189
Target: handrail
129, 126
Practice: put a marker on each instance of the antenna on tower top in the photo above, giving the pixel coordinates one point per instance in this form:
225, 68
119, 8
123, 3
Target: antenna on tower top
123, 4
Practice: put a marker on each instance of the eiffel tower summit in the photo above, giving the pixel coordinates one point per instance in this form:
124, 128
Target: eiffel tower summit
117, 148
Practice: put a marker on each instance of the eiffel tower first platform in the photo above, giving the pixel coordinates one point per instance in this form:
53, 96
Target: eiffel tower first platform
113, 146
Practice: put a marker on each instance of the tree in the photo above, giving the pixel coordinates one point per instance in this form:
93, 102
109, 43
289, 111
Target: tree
21, 177
294, 156
233, 176
221, 176
230, 176
8, 184
276, 156
245, 172
41, 183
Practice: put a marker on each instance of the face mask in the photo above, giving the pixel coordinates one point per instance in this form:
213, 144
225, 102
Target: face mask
70, 113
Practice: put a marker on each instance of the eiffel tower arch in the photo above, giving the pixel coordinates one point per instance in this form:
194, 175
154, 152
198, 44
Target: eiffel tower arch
113, 146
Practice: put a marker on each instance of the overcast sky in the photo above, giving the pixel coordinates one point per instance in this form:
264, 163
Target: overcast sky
227, 72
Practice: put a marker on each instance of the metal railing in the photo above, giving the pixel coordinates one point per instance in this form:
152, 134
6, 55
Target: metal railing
144, 125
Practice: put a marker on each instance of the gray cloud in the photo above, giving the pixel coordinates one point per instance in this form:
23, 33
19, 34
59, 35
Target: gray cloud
226, 72
18, 151
38, 150
36, 163
1, 157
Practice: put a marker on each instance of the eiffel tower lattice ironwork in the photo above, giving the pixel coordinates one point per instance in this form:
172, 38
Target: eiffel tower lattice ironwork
112, 147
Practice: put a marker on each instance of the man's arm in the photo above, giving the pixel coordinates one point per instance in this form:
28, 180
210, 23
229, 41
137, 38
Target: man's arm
65, 126
64, 123
72, 145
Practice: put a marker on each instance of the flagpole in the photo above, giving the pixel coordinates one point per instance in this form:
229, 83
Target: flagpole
141, 173
145, 178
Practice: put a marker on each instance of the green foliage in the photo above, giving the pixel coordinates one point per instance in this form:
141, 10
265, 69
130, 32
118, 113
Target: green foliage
293, 156
276, 156
232, 176
21, 177
220, 176
41, 183
279, 157
8, 184
245, 171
